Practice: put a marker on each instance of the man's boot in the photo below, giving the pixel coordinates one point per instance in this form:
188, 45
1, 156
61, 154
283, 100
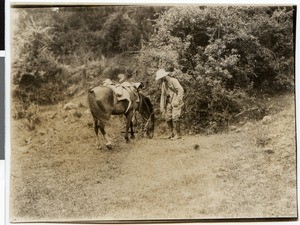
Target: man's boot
170, 129
177, 130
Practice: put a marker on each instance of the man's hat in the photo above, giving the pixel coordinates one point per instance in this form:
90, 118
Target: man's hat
160, 74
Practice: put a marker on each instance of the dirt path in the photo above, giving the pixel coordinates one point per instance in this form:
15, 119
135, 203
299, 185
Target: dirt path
58, 175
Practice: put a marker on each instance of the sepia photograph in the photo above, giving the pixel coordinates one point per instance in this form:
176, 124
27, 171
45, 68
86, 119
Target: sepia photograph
152, 113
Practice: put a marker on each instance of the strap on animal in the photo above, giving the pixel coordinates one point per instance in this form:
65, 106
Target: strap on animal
129, 104
134, 95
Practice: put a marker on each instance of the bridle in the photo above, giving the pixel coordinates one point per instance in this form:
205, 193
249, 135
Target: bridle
149, 113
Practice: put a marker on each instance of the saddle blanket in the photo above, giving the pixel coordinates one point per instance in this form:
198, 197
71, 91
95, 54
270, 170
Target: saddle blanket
125, 90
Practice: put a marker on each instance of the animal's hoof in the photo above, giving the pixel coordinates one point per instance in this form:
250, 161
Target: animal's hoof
109, 146
99, 147
127, 141
132, 137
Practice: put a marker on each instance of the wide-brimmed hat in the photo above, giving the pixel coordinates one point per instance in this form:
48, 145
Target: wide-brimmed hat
160, 74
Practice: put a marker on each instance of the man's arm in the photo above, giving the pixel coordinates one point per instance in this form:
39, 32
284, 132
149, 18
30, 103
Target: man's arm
179, 89
163, 98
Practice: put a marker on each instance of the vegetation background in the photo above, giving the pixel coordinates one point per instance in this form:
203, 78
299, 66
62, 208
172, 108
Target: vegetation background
237, 157
231, 58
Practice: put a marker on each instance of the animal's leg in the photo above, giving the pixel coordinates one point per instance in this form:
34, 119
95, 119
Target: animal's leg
133, 125
96, 128
128, 123
106, 138
131, 131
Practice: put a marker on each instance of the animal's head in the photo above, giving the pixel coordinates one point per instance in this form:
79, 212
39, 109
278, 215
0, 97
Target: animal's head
149, 126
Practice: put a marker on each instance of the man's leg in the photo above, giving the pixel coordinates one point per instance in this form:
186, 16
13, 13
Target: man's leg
170, 129
176, 122
169, 121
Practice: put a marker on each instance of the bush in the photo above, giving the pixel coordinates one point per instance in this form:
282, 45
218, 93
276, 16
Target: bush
29, 112
227, 54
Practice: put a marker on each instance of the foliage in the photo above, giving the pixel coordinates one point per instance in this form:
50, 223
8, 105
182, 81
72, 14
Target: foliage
35, 69
55, 48
226, 54
119, 34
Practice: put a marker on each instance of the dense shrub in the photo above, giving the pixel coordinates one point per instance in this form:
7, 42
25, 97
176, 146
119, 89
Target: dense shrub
55, 48
226, 54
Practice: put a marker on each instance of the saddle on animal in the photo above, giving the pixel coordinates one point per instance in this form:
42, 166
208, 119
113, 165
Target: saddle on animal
125, 91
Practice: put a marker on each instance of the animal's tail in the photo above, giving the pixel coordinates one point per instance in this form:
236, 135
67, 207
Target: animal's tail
97, 111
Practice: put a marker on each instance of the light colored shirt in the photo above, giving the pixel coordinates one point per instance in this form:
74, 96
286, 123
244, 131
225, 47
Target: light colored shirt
171, 92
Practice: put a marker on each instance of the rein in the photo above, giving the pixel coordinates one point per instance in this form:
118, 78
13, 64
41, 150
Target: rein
148, 109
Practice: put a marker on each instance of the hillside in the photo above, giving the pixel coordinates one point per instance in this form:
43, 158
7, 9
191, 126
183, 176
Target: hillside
57, 173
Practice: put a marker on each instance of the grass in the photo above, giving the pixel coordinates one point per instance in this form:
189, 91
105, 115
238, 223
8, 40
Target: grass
60, 176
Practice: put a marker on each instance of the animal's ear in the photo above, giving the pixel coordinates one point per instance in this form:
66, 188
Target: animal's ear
148, 96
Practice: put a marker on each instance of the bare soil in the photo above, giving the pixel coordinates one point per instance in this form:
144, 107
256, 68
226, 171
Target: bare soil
57, 174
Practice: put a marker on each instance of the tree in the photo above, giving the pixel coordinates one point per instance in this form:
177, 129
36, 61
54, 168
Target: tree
226, 53
33, 62
51, 44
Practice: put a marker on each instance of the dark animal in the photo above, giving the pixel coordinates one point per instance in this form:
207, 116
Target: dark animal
103, 103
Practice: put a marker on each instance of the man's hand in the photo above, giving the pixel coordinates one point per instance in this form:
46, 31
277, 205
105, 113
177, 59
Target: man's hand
177, 102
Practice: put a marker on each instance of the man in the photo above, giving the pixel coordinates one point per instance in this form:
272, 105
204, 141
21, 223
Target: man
171, 101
